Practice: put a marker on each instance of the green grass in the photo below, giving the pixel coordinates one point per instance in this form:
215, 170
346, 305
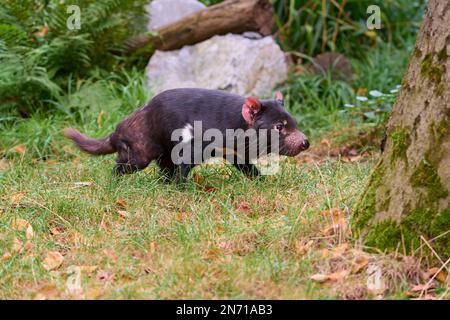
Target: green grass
205, 246
241, 239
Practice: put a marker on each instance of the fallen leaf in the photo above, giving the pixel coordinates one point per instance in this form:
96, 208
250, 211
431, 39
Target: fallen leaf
122, 214
105, 275
56, 231
121, 203
332, 277
110, 254
17, 245
319, 277
21, 149
93, 293
6, 256
210, 188
325, 142
337, 276
359, 263
52, 260
48, 291
51, 162
423, 287
152, 247
441, 277
4, 164
88, 269
149, 270
15, 198
29, 246
340, 249
244, 207
104, 225
29, 232
20, 224
301, 248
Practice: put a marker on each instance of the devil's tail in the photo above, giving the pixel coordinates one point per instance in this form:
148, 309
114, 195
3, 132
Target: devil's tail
92, 146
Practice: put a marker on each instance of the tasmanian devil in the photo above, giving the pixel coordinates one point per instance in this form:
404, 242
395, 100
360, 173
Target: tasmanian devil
148, 133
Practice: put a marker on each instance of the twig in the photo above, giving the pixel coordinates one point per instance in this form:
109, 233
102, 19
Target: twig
444, 265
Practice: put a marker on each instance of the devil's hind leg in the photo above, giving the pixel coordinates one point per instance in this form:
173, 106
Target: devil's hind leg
132, 158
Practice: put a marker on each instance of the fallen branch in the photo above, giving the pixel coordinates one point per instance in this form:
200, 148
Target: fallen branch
232, 16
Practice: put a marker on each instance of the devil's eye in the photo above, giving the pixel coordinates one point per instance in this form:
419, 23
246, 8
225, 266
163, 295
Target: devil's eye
279, 126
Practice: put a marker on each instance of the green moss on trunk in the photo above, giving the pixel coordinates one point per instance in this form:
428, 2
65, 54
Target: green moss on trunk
400, 143
366, 208
426, 176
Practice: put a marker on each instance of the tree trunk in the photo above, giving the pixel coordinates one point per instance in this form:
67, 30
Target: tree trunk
407, 195
232, 16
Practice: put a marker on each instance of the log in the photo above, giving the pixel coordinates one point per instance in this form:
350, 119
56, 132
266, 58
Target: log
231, 16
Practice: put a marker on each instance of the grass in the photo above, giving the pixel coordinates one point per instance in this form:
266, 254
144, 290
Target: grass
172, 243
139, 237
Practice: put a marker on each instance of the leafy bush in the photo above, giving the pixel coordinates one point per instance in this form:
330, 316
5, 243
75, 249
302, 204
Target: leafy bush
315, 26
38, 53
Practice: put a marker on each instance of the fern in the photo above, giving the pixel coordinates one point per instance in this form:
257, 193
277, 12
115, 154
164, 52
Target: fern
38, 53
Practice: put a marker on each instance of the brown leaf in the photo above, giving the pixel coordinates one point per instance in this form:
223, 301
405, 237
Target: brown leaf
121, 203
17, 245
48, 291
52, 260
441, 277
340, 250
21, 149
152, 247
88, 269
56, 231
93, 293
6, 256
122, 214
29, 232
332, 277
20, 224
105, 275
337, 276
15, 198
325, 142
423, 287
4, 164
111, 254
244, 207
359, 263
302, 248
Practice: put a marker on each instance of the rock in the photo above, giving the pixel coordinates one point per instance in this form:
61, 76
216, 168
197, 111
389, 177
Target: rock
164, 12
231, 62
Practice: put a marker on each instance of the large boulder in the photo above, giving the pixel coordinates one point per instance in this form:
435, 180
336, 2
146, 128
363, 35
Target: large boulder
164, 12
246, 66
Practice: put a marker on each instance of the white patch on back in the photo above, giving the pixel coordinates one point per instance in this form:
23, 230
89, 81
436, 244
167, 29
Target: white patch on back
186, 133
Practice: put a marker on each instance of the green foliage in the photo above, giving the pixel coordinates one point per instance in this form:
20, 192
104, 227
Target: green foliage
38, 52
315, 26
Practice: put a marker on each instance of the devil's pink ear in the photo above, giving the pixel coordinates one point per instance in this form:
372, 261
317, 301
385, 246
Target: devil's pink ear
279, 96
250, 109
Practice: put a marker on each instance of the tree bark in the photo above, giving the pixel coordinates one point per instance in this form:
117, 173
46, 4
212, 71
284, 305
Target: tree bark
407, 195
232, 16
